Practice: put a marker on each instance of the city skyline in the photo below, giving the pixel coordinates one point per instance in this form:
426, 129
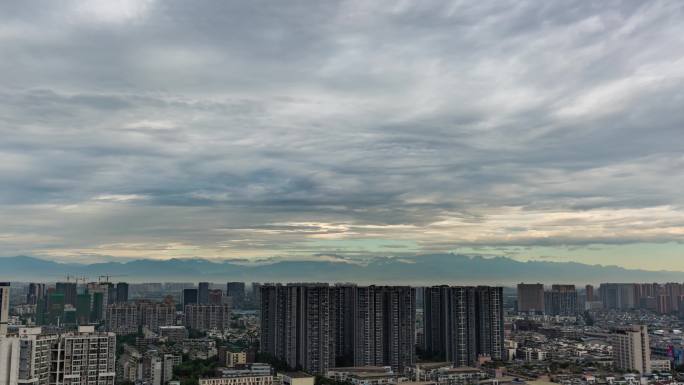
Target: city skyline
342, 131
450, 335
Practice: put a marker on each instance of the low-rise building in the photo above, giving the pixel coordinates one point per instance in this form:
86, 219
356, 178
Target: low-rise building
253, 369
199, 348
444, 373
241, 380
345, 374
661, 365
231, 358
296, 378
173, 333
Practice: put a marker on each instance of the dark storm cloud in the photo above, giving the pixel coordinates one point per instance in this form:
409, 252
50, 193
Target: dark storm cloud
255, 128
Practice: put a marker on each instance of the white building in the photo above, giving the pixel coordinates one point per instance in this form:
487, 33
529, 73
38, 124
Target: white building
25, 359
9, 360
4, 307
532, 354
631, 349
85, 357
661, 365
296, 378
79, 358
244, 380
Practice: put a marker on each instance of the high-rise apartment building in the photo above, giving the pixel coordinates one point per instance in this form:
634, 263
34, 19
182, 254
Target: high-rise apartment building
156, 315
69, 290
123, 318
672, 292
236, 290
35, 292
78, 358
631, 349
216, 297
295, 325
462, 323
490, 327
563, 300
618, 295
4, 307
122, 292
256, 292
531, 298
345, 298
100, 297
589, 293
190, 296
316, 326
26, 358
85, 357
384, 326
203, 293
205, 317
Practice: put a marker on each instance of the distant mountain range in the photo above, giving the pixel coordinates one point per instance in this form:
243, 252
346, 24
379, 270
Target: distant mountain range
420, 269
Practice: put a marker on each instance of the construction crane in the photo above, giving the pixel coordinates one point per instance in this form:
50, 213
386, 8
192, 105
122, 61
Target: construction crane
76, 278
108, 276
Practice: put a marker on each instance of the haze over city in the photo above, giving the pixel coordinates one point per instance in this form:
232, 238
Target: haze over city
343, 131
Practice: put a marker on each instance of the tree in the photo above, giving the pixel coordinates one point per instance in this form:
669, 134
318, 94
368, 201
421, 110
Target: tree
277, 364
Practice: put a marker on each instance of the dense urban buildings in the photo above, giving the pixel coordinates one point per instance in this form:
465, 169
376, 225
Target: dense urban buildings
463, 323
361, 334
618, 295
662, 298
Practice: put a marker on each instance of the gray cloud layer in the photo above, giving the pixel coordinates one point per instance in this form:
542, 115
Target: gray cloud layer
242, 129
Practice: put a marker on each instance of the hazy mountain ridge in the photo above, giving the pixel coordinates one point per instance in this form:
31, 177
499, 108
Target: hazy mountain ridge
421, 269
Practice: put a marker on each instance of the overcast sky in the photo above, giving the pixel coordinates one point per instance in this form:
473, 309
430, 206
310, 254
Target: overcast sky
319, 129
